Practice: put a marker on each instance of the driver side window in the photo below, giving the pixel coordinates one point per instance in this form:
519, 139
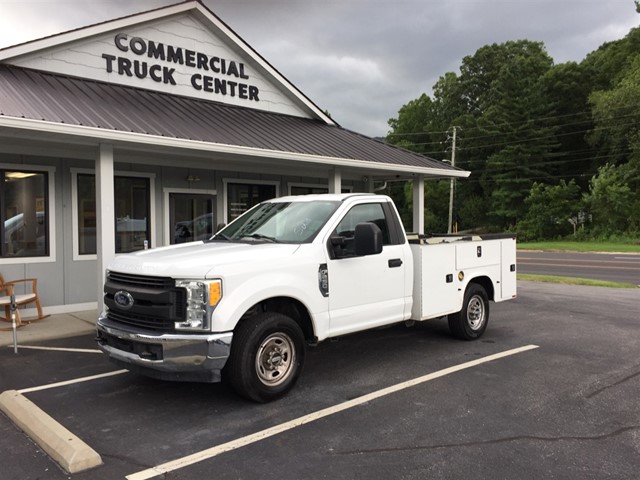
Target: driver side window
368, 212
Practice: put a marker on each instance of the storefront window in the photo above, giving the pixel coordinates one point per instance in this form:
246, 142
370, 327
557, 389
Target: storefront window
242, 196
132, 207
132, 213
86, 214
191, 216
24, 214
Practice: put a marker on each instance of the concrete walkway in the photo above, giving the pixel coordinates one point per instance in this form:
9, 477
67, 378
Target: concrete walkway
55, 326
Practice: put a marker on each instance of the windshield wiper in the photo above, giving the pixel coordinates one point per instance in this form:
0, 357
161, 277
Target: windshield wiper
219, 236
259, 236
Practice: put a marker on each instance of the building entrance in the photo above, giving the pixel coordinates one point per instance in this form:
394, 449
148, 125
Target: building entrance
191, 216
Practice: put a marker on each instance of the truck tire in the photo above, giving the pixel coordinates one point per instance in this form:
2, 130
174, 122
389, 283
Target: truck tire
267, 355
471, 322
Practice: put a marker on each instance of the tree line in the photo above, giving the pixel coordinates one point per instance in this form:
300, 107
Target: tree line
553, 149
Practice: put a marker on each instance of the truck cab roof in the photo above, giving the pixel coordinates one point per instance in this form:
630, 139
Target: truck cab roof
335, 197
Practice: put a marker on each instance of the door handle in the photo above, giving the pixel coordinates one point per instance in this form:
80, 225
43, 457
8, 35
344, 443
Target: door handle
395, 262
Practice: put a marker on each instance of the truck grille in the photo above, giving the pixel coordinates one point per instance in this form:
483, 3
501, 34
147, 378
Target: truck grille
157, 303
141, 280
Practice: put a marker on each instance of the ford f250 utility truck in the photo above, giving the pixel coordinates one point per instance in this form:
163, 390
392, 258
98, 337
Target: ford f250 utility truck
288, 273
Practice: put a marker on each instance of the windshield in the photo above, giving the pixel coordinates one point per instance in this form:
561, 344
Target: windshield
280, 222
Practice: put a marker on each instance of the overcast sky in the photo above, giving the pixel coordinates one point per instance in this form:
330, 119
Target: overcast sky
361, 59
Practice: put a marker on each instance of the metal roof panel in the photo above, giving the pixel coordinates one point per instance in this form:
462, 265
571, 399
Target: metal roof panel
37, 95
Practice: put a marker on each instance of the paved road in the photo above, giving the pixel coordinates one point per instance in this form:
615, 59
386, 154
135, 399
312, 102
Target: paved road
613, 267
567, 409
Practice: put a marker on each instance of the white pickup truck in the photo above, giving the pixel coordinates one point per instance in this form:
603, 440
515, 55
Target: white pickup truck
289, 273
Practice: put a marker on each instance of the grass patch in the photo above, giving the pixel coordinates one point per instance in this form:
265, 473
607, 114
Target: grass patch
580, 247
573, 281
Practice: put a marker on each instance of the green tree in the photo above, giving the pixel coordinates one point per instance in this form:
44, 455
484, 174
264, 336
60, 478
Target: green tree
436, 195
523, 120
568, 89
604, 66
471, 212
553, 211
614, 199
410, 129
614, 195
496, 101
521, 141
616, 115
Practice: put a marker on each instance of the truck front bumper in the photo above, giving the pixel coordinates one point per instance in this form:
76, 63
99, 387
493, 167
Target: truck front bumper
167, 356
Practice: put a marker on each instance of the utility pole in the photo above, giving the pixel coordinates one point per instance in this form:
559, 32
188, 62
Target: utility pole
453, 181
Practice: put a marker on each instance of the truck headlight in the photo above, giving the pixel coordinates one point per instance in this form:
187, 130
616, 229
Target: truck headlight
202, 298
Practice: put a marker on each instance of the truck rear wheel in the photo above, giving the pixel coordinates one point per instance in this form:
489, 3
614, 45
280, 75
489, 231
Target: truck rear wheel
471, 322
267, 355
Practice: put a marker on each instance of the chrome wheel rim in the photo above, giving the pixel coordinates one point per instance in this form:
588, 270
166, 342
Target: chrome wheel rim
275, 359
475, 313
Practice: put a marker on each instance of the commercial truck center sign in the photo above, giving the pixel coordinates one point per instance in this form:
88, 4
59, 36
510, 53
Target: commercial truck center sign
215, 75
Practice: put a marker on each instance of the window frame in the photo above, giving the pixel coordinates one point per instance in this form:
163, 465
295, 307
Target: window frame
292, 185
358, 206
395, 237
166, 192
51, 210
77, 257
242, 181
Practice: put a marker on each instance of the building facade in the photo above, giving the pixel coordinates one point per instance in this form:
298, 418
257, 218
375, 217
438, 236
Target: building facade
150, 130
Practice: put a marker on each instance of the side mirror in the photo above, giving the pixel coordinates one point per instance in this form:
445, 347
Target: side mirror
220, 226
367, 239
337, 241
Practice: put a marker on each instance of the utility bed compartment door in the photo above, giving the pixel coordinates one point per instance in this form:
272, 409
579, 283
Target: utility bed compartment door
477, 254
507, 270
436, 289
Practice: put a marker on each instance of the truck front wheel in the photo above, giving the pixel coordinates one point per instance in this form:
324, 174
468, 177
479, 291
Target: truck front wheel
471, 322
267, 354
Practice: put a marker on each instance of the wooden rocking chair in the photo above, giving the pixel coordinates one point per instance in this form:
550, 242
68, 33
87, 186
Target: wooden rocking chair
8, 289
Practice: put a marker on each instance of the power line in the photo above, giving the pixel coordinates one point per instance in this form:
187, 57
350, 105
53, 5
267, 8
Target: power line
499, 134
512, 143
512, 124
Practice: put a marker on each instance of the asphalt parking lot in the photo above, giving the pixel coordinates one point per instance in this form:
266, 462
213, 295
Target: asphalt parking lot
567, 409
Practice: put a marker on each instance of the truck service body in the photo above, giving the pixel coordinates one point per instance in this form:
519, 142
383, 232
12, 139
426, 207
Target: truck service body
288, 273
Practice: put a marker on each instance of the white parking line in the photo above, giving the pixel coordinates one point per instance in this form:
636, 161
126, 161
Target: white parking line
71, 382
275, 430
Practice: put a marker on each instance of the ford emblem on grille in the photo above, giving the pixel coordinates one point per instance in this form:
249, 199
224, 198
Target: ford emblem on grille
123, 299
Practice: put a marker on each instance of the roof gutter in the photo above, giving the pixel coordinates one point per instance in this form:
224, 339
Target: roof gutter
113, 136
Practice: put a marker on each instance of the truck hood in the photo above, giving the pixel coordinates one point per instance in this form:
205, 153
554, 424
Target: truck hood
196, 259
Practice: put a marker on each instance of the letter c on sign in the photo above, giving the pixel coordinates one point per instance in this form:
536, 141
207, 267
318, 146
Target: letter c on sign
138, 46
121, 42
194, 81
154, 73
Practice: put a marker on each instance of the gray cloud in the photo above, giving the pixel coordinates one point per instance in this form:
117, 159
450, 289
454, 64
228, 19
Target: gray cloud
363, 59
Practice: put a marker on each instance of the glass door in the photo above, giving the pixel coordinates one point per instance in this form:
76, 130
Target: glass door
191, 216
242, 196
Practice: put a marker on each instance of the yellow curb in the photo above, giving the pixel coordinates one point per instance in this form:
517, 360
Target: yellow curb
71, 453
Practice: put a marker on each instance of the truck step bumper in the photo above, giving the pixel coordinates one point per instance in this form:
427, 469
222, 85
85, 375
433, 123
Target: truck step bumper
190, 357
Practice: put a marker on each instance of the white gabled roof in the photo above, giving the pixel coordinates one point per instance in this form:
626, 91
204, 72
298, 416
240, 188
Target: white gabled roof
39, 54
40, 92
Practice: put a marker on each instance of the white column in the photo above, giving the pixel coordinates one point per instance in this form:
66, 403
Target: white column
335, 181
369, 185
418, 204
105, 215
